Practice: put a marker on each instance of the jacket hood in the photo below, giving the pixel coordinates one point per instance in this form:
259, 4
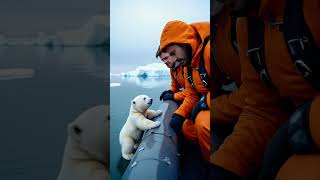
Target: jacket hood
182, 33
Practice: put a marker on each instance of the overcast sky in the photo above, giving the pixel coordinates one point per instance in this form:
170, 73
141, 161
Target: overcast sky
135, 27
24, 18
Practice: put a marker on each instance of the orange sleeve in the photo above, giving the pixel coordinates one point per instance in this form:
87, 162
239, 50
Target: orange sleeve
314, 123
191, 98
242, 151
227, 108
311, 15
179, 96
207, 58
208, 100
174, 87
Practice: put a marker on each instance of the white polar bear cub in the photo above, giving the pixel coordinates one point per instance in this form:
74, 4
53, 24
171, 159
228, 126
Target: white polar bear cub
86, 155
137, 121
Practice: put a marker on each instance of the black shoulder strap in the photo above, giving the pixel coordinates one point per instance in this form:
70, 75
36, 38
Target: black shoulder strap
256, 48
233, 33
304, 52
257, 58
182, 72
204, 76
202, 69
189, 77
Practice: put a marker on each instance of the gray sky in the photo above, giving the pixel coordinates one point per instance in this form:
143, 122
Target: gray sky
24, 18
136, 25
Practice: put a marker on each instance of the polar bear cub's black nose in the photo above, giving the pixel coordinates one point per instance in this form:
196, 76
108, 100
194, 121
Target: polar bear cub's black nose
151, 100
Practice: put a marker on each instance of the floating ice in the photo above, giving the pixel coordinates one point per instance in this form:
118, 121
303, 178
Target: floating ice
115, 84
149, 70
148, 82
92, 33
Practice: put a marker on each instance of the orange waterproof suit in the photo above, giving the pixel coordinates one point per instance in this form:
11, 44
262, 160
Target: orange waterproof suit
262, 115
290, 82
177, 82
299, 167
227, 108
194, 35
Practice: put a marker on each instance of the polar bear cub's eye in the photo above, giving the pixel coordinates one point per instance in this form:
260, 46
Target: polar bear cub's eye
144, 98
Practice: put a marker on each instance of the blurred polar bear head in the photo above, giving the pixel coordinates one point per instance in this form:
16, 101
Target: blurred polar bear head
90, 131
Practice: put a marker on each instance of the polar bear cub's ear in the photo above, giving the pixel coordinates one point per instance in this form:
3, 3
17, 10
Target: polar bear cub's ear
74, 132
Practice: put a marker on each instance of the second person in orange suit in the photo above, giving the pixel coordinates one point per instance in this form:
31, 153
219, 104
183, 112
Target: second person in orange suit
176, 90
190, 45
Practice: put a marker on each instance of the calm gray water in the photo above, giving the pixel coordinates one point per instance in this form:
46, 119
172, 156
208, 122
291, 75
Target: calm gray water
36, 107
120, 98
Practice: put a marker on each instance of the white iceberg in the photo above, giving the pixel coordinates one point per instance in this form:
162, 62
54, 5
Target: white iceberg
93, 33
149, 70
148, 82
115, 84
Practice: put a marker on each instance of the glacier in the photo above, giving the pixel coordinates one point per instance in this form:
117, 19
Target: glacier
148, 70
146, 76
92, 33
148, 82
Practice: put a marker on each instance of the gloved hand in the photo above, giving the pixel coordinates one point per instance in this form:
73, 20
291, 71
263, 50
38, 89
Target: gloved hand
167, 95
299, 134
177, 122
200, 105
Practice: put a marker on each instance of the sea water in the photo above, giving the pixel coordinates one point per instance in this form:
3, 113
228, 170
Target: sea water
42, 89
121, 94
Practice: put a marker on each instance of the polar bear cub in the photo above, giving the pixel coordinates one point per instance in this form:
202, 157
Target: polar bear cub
137, 121
86, 155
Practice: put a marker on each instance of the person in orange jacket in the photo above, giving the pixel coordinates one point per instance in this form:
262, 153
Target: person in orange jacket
274, 81
189, 44
176, 90
226, 107
241, 152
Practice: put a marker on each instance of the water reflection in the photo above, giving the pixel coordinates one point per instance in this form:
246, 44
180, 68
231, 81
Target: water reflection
145, 81
61, 83
15, 73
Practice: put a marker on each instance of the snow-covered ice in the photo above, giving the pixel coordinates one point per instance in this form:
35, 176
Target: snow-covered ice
148, 70
115, 84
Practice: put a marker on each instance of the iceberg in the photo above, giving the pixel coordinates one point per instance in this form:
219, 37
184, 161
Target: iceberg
148, 82
149, 70
146, 76
93, 33
115, 84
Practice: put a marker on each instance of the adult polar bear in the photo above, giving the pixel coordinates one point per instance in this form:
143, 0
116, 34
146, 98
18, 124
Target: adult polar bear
86, 154
137, 121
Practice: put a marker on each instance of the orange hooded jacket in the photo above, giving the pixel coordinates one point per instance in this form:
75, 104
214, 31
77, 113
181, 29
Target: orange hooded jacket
177, 82
262, 115
192, 34
227, 108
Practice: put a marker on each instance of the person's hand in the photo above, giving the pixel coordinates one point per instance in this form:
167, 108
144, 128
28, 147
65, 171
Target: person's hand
200, 105
167, 95
177, 122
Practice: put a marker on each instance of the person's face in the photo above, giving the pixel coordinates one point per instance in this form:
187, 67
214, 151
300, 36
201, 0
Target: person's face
178, 53
168, 60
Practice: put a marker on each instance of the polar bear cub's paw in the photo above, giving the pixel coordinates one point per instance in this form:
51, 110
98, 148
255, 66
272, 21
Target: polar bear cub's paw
156, 124
128, 156
135, 146
158, 113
